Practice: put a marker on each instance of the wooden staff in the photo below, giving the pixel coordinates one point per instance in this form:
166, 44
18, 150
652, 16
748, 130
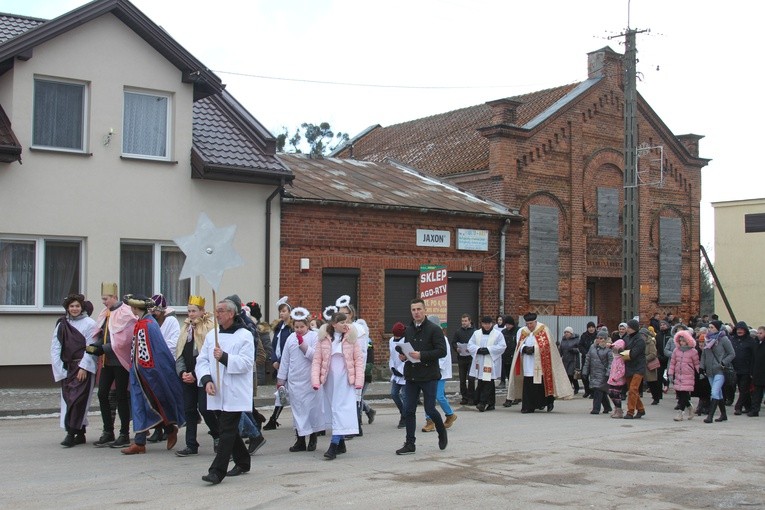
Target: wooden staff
217, 345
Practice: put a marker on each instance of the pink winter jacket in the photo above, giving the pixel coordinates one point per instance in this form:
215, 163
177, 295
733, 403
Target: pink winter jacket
617, 376
354, 359
684, 364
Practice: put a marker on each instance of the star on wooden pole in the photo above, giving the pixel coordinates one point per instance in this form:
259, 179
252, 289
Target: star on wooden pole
209, 251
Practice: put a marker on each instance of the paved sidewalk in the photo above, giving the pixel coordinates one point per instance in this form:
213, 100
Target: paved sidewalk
46, 401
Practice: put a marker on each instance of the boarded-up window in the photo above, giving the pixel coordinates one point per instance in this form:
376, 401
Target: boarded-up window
670, 260
754, 223
543, 253
608, 212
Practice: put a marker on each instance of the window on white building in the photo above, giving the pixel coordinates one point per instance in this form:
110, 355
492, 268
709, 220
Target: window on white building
59, 119
38, 273
150, 268
146, 125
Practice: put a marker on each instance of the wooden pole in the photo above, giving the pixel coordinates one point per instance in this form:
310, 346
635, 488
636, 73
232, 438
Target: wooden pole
217, 345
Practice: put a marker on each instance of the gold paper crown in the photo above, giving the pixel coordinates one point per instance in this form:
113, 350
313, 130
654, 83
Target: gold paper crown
197, 301
108, 289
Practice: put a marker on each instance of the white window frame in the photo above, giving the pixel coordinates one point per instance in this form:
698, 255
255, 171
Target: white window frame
168, 124
85, 118
39, 286
156, 277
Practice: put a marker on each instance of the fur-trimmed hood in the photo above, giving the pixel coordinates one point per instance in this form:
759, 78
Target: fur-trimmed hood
684, 333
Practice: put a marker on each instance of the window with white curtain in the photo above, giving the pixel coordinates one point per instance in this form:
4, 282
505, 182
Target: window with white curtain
59, 115
154, 267
146, 125
38, 273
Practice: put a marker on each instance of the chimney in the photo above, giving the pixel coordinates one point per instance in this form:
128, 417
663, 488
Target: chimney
504, 111
604, 62
691, 143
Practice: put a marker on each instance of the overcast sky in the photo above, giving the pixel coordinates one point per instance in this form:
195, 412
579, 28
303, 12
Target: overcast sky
418, 52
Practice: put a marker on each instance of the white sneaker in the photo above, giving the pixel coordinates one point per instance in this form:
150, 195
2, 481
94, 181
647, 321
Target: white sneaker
691, 411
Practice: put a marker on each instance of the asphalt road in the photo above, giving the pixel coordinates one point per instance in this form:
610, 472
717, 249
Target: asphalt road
502, 459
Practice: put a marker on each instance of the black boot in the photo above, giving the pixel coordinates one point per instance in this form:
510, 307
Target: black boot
299, 445
723, 414
68, 441
311, 443
712, 407
331, 452
272, 423
341, 447
157, 436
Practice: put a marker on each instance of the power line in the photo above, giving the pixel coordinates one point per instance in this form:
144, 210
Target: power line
368, 85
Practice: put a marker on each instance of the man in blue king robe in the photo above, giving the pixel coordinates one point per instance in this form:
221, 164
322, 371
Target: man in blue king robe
156, 395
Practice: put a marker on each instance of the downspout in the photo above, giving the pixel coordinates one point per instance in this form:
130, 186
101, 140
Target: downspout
502, 256
267, 299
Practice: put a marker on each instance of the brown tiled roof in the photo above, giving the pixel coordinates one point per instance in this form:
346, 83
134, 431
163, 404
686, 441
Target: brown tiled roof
192, 70
10, 148
230, 144
447, 143
381, 184
12, 25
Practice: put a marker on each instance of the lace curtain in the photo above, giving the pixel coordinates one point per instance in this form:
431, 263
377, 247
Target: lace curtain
58, 115
17, 272
62, 271
144, 129
176, 291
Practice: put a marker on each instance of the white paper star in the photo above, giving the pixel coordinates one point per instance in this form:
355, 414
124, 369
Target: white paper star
209, 251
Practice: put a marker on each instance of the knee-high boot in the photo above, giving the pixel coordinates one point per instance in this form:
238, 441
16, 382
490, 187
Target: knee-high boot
299, 445
272, 423
723, 414
712, 407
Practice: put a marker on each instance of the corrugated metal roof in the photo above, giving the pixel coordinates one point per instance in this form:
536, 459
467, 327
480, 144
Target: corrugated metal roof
381, 184
449, 143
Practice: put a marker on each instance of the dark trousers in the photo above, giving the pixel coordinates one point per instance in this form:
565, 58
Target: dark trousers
599, 397
534, 396
574, 383
683, 399
655, 388
743, 382
586, 384
486, 392
756, 399
195, 398
117, 375
230, 443
412, 392
467, 383
506, 366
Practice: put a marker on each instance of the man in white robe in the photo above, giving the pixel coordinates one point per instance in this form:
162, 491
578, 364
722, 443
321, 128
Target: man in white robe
224, 370
486, 346
537, 375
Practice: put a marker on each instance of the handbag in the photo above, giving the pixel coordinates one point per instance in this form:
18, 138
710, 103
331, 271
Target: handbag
577, 374
653, 364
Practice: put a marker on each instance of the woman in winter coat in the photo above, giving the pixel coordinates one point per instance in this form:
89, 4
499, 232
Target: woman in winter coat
597, 365
338, 365
683, 367
717, 354
651, 376
701, 389
569, 353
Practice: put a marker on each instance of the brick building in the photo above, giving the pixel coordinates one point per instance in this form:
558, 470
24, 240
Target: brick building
354, 225
556, 156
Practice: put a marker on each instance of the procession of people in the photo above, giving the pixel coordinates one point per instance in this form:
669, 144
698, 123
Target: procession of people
163, 375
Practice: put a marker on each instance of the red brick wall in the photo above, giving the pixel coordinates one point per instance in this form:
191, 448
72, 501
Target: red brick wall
374, 240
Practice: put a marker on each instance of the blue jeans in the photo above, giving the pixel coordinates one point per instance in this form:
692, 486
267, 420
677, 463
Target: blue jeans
247, 426
398, 395
716, 382
441, 399
412, 392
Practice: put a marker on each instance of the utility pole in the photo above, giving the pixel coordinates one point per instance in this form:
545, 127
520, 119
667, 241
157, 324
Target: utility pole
630, 254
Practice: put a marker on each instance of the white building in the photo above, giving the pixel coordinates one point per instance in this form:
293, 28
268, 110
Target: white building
125, 138
739, 245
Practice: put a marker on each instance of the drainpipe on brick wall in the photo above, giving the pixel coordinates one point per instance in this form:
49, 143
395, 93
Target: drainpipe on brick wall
267, 299
502, 239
